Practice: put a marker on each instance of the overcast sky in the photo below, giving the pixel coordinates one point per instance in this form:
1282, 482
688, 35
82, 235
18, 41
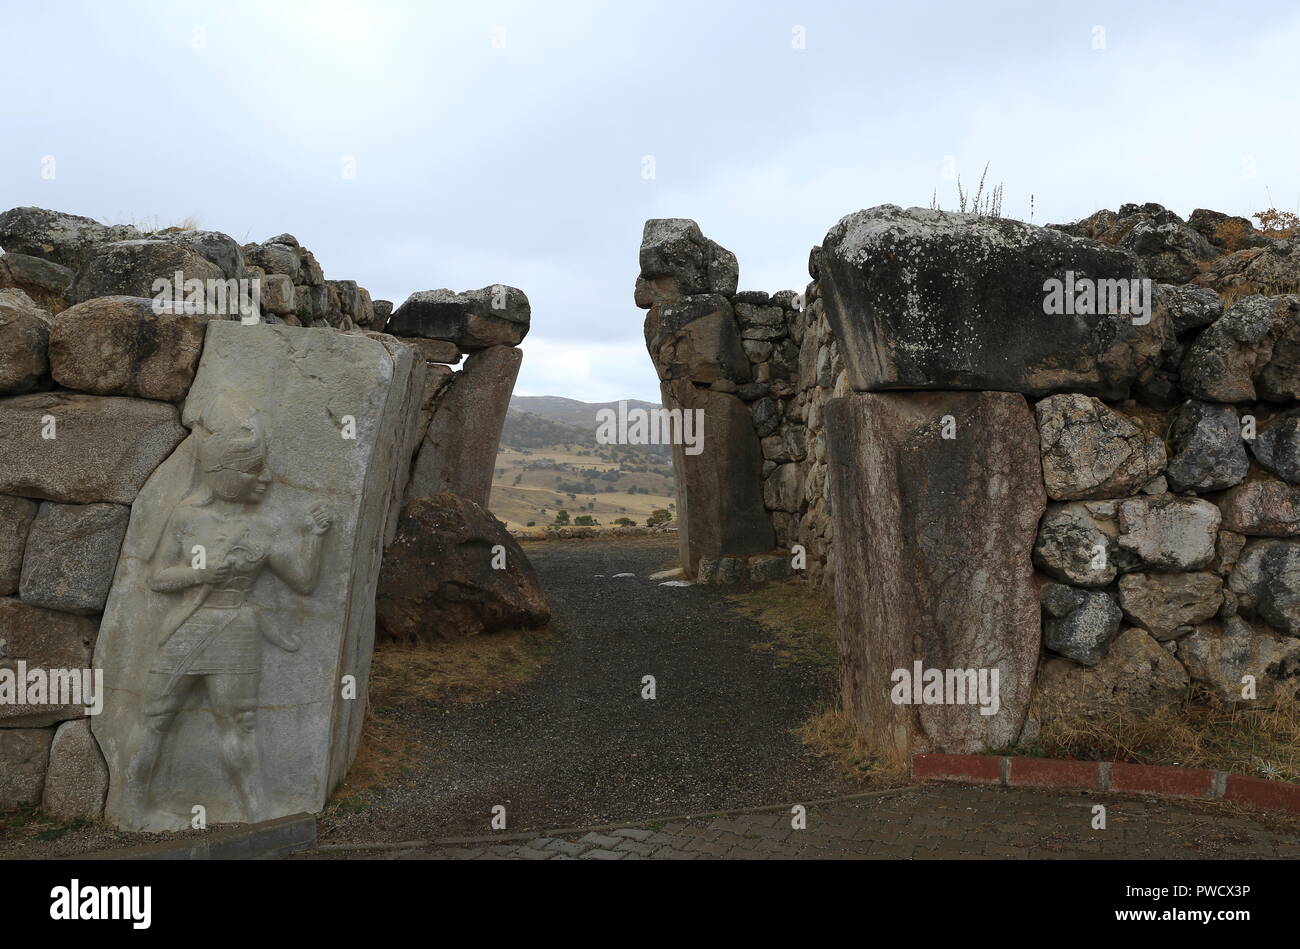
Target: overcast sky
508, 142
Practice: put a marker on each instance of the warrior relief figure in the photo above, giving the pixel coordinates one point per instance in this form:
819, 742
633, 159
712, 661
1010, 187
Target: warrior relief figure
214, 547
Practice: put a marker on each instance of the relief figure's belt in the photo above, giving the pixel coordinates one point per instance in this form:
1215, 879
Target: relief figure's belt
225, 599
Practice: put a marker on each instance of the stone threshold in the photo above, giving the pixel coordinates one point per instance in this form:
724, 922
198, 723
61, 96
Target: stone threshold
1197, 784
436, 842
272, 838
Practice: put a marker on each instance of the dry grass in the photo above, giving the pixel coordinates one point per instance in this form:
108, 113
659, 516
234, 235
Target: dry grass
802, 619
1203, 733
407, 674
834, 736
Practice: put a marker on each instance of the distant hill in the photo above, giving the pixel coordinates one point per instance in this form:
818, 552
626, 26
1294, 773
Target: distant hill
549, 460
556, 408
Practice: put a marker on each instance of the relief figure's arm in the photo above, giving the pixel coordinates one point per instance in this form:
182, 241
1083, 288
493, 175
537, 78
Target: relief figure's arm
299, 567
176, 571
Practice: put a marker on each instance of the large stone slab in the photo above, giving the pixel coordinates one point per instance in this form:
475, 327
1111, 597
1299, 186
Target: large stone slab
71, 552
49, 647
719, 490
16, 516
459, 451
102, 447
77, 779
24, 757
933, 541
228, 667
922, 299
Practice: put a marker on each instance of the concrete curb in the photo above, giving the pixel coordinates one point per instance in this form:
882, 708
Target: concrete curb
273, 838
1195, 784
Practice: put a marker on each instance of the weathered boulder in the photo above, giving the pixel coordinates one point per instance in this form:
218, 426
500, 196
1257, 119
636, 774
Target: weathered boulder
1138, 674
98, 448
696, 338
24, 757
238, 633
53, 642
1090, 451
1080, 623
1252, 351
16, 516
1266, 579
129, 268
24, 344
119, 346
1168, 532
1208, 451
1167, 605
71, 552
1187, 308
435, 350
458, 454
1276, 446
1170, 250
783, 489
1270, 269
77, 779
277, 294
476, 319
923, 299
219, 249
678, 261
455, 571
1220, 655
933, 563
719, 490
42, 280
1262, 508
1078, 544
1225, 231
66, 239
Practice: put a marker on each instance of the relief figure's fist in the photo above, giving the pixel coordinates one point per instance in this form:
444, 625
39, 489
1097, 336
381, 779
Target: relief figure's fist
320, 518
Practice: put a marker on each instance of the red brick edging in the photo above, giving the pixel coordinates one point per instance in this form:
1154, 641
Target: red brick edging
1162, 780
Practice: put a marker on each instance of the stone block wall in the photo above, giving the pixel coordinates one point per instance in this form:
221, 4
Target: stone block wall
1164, 545
95, 386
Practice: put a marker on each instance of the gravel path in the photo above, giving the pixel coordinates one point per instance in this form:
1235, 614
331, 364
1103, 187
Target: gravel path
579, 746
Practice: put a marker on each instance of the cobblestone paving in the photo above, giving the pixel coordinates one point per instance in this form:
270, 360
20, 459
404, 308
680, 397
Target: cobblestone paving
927, 823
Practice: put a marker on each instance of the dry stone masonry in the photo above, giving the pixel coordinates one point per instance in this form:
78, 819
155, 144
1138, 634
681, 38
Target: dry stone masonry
198, 481
1068, 454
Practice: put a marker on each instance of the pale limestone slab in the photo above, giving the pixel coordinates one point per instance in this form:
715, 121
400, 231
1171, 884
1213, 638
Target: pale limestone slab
225, 684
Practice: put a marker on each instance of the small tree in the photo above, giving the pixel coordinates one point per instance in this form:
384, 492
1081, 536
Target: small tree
625, 522
561, 516
657, 517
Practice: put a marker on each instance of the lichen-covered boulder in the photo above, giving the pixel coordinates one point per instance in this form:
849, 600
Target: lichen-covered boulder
1266, 579
1208, 451
1276, 446
1137, 674
1252, 351
922, 299
1090, 451
1220, 655
476, 319
1078, 544
1264, 507
678, 261
130, 268
1169, 604
67, 239
1166, 532
1080, 623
